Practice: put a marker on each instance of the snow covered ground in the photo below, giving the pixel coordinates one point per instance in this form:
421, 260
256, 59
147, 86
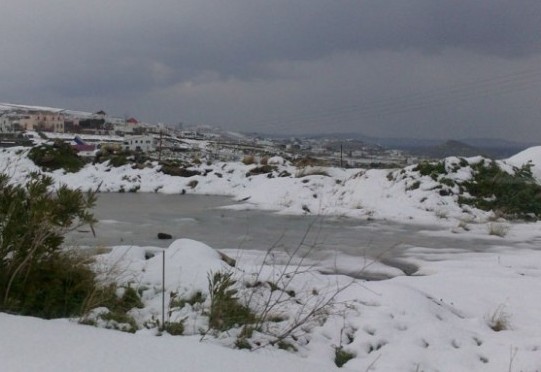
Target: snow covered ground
462, 311
438, 320
60, 345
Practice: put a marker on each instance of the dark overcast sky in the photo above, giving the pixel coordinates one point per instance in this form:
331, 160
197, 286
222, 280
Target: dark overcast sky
402, 68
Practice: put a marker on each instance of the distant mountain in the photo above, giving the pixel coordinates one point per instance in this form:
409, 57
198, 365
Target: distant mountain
498, 143
494, 148
450, 148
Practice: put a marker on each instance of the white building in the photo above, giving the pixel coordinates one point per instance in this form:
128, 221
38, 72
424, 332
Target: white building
140, 143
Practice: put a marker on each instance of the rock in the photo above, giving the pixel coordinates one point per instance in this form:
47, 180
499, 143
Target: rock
164, 236
228, 260
173, 170
264, 169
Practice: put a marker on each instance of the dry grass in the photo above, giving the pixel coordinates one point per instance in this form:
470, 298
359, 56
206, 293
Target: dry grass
499, 320
248, 159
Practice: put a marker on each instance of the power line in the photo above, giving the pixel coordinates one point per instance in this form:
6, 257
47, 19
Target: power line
451, 95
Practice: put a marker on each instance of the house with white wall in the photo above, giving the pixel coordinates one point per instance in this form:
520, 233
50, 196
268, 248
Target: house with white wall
140, 143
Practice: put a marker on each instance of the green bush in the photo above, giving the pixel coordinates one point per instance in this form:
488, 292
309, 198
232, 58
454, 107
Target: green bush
60, 155
36, 276
174, 328
129, 299
57, 287
225, 310
118, 306
176, 168
414, 186
434, 170
116, 157
179, 303
118, 160
107, 296
342, 356
447, 182
119, 321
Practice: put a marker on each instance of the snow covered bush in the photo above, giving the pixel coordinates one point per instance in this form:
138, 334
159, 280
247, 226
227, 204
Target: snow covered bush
116, 157
487, 185
342, 356
434, 170
513, 193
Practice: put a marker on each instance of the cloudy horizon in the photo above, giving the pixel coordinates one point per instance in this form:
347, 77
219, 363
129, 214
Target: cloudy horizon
417, 68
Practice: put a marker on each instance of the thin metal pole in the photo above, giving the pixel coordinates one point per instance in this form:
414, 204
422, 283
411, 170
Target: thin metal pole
163, 290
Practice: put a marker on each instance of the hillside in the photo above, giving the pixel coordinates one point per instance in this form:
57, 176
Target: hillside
462, 310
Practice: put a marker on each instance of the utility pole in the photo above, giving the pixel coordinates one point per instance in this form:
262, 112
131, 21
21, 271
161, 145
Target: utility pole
341, 155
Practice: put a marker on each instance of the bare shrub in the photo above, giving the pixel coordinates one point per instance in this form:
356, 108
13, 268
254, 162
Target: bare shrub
285, 312
499, 320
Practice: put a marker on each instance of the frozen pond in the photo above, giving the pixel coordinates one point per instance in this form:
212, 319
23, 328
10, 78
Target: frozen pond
137, 218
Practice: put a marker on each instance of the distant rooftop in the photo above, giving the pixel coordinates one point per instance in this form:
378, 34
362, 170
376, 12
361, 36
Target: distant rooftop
29, 108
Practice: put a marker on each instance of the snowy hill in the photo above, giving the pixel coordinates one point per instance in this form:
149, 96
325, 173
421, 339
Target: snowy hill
416, 193
533, 155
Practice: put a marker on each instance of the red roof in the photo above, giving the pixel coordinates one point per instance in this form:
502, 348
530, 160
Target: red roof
132, 121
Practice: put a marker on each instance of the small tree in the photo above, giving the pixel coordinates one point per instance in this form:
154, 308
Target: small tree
37, 277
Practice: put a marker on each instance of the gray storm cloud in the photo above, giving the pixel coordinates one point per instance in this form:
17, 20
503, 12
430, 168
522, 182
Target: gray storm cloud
283, 66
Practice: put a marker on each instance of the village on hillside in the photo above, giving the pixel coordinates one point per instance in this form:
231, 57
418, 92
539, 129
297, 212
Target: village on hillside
89, 132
